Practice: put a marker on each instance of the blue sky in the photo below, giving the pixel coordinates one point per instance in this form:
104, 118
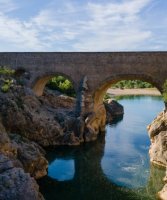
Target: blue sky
83, 25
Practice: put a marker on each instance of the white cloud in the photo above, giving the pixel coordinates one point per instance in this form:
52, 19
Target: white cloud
114, 27
74, 27
7, 6
18, 35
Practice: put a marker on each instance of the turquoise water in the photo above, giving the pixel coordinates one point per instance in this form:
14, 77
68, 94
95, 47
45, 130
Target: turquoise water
113, 167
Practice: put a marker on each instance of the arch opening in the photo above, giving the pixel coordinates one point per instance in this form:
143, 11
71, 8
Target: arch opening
56, 82
134, 81
62, 85
58, 90
103, 109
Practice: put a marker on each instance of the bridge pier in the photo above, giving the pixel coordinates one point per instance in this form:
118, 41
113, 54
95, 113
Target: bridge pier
94, 116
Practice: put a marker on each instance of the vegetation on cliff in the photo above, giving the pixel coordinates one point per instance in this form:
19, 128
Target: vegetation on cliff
6, 71
6, 80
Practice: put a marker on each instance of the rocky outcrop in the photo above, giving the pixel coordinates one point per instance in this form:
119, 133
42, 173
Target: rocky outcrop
158, 149
55, 99
15, 184
5, 145
28, 154
158, 135
159, 124
95, 123
31, 155
113, 110
37, 118
17, 156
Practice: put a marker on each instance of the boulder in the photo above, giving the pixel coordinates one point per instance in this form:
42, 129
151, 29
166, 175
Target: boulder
113, 110
15, 184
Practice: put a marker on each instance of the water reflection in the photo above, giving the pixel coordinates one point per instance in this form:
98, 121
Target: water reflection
90, 182
114, 167
61, 169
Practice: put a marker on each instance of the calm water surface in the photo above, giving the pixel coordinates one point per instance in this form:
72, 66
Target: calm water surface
115, 167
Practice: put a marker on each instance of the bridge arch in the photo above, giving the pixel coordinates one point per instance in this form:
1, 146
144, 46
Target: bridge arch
40, 82
104, 85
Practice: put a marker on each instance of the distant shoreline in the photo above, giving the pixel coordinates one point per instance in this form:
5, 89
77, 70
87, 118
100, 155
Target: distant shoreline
138, 91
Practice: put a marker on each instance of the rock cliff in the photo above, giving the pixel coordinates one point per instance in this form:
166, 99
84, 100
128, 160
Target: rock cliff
158, 149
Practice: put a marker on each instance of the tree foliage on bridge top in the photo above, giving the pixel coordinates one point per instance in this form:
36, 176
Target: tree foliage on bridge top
128, 84
62, 84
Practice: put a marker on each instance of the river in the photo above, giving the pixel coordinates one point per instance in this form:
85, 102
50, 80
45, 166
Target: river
115, 167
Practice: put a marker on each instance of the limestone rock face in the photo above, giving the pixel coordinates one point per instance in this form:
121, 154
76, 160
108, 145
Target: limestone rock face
57, 100
5, 145
113, 110
158, 149
36, 117
24, 153
159, 124
15, 184
158, 134
31, 155
94, 123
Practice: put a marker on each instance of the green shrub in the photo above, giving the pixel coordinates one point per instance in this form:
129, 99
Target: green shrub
5, 88
7, 85
6, 71
61, 84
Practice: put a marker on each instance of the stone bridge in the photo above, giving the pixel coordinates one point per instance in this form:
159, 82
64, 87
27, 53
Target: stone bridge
91, 73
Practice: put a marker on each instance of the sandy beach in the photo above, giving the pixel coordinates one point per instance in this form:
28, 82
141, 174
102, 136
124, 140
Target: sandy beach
140, 91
